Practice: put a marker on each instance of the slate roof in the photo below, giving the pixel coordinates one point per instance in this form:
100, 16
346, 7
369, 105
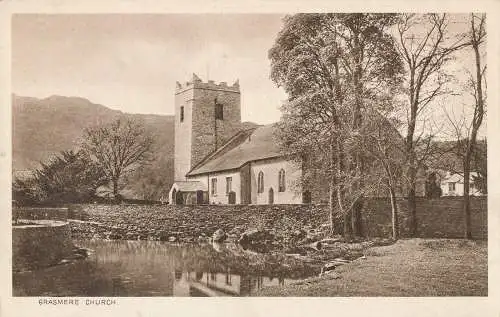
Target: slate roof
189, 186
246, 146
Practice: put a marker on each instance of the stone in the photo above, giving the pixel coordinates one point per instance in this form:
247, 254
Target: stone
332, 265
219, 236
255, 236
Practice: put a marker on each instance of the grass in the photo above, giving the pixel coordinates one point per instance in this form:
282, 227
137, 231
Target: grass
413, 267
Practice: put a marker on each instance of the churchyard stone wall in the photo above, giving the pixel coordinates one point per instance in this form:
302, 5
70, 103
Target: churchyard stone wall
438, 218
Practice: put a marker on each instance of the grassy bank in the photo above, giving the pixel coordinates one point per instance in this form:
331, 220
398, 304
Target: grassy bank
414, 267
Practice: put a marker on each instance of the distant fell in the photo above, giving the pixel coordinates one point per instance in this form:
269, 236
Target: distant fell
44, 127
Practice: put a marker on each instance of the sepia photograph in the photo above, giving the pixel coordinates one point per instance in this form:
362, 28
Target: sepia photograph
322, 154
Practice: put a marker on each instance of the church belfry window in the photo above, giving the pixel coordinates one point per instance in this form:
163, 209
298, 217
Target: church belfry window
281, 181
182, 113
260, 183
219, 111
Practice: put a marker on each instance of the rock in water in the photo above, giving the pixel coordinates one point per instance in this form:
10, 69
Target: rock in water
255, 236
219, 236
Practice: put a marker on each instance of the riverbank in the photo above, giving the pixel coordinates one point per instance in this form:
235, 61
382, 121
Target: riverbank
413, 267
284, 224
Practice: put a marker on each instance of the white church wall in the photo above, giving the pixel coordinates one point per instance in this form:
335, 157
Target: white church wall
271, 168
200, 178
222, 197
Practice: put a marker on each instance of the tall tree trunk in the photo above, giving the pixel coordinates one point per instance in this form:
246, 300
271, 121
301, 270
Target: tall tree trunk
476, 40
410, 153
412, 184
395, 216
331, 207
116, 195
346, 213
356, 125
466, 201
412, 210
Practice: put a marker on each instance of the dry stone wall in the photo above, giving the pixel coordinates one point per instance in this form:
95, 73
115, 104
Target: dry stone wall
437, 218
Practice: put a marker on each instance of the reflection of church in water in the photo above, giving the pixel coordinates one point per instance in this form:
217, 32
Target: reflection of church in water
221, 284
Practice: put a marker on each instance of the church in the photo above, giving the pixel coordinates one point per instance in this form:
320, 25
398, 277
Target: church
219, 160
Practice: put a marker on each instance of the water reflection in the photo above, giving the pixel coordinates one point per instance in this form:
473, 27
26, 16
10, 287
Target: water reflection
221, 284
152, 268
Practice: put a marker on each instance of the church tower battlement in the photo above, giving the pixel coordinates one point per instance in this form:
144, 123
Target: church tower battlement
206, 116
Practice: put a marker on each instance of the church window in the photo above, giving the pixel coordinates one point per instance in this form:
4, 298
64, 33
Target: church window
260, 183
182, 113
229, 185
214, 187
219, 112
281, 181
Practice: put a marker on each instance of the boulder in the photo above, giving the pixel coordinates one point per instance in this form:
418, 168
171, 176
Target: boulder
332, 265
219, 236
255, 236
331, 240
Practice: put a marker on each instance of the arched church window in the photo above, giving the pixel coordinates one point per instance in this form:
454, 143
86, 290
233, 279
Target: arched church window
281, 181
182, 113
260, 183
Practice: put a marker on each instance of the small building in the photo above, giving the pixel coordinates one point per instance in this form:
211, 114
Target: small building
452, 184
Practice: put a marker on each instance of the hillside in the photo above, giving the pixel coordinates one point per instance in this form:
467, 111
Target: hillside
42, 127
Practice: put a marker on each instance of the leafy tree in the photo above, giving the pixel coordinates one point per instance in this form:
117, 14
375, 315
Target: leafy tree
335, 68
67, 178
118, 148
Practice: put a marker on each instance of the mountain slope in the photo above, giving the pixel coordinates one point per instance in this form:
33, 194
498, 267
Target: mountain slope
43, 127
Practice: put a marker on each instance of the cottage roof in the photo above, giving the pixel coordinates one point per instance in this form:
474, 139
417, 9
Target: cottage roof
250, 145
458, 178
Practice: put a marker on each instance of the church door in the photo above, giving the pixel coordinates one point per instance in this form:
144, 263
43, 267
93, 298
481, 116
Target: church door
174, 197
232, 198
199, 197
179, 200
271, 196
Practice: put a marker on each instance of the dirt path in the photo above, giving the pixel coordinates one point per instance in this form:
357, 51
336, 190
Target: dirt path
414, 267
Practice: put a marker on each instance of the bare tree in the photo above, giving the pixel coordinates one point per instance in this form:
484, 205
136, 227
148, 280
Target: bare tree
466, 128
425, 54
118, 148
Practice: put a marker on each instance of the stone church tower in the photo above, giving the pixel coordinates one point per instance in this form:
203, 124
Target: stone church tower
206, 116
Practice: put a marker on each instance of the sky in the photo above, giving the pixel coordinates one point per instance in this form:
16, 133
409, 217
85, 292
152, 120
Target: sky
131, 62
